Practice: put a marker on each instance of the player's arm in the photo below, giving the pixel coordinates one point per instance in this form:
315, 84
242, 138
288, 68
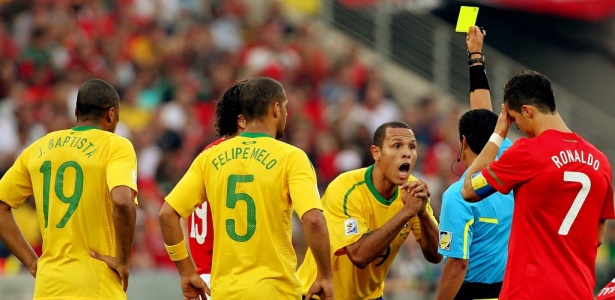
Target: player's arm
124, 220
180, 203
317, 238
15, 188
306, 200
453, 273
475, 187
372, 244
429, 236
173, 234
121, 169
479, 84
191, 283
11, 236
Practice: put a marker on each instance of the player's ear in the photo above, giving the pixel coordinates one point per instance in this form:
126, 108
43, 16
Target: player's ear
241, 122
527, 111
110, 114
375, 152
277, 109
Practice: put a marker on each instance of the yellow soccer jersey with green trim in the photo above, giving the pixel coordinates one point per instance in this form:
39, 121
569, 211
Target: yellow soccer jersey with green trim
253, 182
352, 207
71, 173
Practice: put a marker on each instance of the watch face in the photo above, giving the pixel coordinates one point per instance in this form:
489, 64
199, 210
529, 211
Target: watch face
481, 60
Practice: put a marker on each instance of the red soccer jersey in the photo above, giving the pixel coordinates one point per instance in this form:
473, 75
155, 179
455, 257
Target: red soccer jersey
562, 187
607, 292
201, 233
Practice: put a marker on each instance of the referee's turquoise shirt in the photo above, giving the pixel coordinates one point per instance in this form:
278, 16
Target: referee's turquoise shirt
477, 231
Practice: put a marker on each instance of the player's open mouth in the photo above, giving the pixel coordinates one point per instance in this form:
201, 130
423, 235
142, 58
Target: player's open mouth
404, 169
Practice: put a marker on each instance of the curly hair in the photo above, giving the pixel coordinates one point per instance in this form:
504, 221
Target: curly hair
228, 109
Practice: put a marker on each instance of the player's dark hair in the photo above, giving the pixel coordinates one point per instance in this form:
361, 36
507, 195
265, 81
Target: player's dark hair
529, 88
94, 98
382, 130
257, 94
477, 125
227, 110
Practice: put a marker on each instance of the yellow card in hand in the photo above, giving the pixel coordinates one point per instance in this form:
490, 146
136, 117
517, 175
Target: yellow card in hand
467, 18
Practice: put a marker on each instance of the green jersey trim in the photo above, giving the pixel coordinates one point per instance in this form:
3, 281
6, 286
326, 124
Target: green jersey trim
254, 134
348, 194
84, 128
372, 188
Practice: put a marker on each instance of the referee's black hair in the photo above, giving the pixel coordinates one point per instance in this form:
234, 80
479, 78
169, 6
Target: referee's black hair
477, 125
227, 110
94, 98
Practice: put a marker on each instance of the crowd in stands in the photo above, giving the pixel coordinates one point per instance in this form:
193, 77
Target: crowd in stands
171, 61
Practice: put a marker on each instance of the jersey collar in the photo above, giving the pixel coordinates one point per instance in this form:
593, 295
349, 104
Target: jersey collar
372, 188
84, 128
254, 134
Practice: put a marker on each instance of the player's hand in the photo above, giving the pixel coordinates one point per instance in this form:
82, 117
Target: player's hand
323, 288
501, 127
194, 287
475, 39
424, 184
414, 196
32, 268
122, 270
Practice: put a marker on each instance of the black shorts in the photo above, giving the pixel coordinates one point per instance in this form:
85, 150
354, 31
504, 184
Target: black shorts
476, 290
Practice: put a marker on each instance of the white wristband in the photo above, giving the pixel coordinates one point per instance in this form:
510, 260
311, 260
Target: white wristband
496, 139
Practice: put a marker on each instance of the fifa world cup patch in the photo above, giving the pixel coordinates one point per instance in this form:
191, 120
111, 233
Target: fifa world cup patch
351, 226
445, 239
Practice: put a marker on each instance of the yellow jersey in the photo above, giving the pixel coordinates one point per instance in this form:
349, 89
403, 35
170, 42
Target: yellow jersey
71, 173
252, 182
353, 207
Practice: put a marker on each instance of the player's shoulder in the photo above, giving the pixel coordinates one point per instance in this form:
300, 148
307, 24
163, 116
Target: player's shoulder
117, 140
349, 179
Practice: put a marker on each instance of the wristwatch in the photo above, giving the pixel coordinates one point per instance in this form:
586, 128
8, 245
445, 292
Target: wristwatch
481, 59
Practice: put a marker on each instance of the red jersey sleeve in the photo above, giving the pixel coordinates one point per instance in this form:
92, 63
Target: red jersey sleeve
608, 209
511, 169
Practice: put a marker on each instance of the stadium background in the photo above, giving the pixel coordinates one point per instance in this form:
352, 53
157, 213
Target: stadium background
347, 67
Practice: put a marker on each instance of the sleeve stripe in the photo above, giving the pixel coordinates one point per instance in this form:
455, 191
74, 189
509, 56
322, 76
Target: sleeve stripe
465, 238
488, 220
348, 194
497, 179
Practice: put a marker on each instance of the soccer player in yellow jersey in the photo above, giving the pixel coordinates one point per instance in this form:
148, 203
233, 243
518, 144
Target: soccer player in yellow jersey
84, 183
370, 212
253, 183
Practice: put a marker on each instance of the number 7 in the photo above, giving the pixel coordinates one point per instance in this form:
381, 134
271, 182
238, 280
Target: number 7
586, 184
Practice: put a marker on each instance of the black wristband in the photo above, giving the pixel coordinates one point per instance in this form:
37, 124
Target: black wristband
478, 78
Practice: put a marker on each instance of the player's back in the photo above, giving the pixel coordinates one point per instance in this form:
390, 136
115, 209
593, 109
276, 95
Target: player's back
555, 223
68, 171
249, 182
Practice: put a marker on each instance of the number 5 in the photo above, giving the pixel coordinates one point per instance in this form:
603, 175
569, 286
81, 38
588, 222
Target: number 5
586, 184
231, 200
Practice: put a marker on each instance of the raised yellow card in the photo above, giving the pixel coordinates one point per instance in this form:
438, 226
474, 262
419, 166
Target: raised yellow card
467, 18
